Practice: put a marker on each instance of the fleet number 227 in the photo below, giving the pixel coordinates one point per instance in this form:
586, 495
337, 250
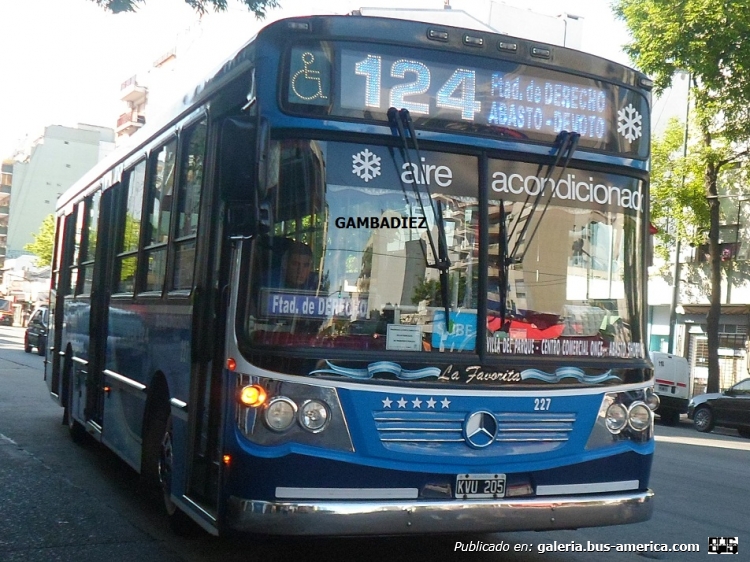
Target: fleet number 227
542, 403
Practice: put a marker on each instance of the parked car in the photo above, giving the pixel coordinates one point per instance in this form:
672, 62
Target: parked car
730, 408
36, 331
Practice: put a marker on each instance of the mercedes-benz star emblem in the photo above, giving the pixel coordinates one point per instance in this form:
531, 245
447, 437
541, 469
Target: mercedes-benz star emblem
480, 429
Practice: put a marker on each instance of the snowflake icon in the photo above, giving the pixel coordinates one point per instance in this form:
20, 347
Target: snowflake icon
366, 165
629, 122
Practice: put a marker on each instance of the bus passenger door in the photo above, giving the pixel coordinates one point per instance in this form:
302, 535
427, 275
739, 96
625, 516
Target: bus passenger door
233, 146
101, 276
61, 281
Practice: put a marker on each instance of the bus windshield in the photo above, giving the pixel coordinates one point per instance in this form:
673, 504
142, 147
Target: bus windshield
346, 260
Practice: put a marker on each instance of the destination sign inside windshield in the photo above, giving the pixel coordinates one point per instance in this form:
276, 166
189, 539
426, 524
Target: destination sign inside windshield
495, 97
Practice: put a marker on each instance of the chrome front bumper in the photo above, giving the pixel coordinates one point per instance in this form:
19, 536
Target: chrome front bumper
423, 517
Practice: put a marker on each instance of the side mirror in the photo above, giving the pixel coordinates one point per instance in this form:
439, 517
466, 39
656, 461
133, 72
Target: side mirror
238, 174
237, 164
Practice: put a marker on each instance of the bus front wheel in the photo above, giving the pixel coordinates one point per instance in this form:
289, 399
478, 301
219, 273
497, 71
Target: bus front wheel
180, 523
75, 428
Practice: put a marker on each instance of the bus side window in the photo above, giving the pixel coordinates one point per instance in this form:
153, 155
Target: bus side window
159, 210
77, 244
188, 206
57, 255
131, 208
88, 249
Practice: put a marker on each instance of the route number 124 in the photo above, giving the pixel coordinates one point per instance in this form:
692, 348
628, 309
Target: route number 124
458, 92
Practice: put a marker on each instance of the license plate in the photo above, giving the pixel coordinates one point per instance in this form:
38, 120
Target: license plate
662, 387
477, 486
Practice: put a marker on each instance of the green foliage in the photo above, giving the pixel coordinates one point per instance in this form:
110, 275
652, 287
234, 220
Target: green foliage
678, 201
131, 236
44, 241
258, 7
709, 40
429, 290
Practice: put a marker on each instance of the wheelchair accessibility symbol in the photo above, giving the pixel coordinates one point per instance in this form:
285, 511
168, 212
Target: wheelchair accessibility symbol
306, 83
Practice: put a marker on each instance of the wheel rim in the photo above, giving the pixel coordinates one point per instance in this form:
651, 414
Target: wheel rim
702, 419
166, 463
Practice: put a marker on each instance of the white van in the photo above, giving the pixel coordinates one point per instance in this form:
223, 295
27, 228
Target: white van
672, 385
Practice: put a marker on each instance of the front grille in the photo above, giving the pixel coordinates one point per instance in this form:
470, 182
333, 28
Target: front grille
436, 432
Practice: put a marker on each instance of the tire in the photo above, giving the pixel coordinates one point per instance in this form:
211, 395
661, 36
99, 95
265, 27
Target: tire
703, 419
41, 345
26, 344
670, 417
180, 523
77, 432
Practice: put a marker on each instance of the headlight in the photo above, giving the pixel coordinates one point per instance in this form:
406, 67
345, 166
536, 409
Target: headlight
291, 412
280, 413
639, 416
313, 415
617, 418
623, 416
652, 400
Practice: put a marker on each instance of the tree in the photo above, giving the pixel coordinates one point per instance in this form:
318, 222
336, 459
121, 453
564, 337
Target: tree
44, 241
679, 208
678, 204
707, 39
201, 6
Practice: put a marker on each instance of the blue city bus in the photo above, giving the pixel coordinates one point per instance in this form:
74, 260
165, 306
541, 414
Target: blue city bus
371, 276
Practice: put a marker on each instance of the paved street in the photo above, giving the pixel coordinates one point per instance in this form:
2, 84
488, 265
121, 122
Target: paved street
64, 502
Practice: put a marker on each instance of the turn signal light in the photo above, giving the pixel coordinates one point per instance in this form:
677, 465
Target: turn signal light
253, 396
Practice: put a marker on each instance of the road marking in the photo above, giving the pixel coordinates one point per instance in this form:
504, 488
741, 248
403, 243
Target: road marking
7, 439
704, 442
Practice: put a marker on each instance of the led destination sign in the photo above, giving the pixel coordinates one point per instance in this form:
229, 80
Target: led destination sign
487, 96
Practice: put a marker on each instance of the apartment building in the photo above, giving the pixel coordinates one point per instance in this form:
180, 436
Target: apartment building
6, 182
134, 96
57, 159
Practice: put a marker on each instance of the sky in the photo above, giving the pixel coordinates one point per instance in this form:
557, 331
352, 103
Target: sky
63, 61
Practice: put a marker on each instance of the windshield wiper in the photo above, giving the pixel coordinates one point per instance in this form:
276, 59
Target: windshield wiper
403, 123
567, 143
504, 268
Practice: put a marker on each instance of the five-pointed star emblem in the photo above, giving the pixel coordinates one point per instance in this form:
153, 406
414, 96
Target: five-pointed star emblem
416, 403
